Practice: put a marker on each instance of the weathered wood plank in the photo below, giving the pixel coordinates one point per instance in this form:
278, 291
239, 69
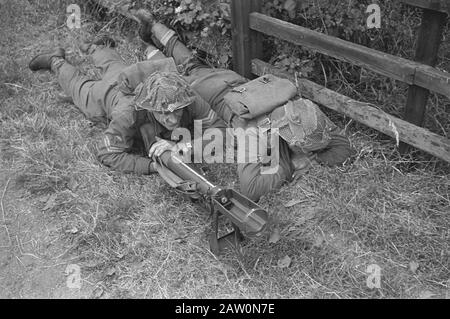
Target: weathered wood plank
427, 74
429, 40
436, 5
365, 113
391, 66
247, 44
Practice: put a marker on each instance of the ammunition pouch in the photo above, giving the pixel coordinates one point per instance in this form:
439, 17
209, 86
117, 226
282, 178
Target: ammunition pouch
260, 96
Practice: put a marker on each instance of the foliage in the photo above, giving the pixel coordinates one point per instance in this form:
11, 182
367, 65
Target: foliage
207, 24
345, 20
199, 20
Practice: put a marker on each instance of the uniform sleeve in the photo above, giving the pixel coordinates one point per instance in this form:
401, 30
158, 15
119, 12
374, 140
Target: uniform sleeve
257, 180
117, 141
202, 111
337, 152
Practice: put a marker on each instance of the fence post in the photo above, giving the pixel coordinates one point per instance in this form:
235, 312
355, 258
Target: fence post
247, 44
429, 39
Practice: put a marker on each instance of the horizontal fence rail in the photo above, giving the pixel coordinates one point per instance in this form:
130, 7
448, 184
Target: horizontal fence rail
365, 113
436, 5
391, 66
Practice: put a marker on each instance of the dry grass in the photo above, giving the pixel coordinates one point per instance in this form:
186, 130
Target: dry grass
133, 237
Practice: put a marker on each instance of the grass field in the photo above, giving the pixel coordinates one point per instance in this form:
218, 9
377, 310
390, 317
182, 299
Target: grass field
134, 237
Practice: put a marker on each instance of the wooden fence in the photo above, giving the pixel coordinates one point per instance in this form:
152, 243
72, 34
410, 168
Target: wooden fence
248, 24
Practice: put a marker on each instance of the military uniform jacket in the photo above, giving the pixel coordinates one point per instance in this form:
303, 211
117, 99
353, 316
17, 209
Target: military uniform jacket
117, 141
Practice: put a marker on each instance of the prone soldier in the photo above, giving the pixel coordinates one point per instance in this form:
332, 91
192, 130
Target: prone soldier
307, 136
163, 99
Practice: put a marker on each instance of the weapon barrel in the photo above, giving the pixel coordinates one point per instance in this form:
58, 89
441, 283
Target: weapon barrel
247, 215
185, 171
244, 213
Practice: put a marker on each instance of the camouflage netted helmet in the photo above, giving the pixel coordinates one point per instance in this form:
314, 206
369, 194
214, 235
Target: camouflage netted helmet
163, 92
302, 125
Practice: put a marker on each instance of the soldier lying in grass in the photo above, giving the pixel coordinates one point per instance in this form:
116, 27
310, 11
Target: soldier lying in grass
163, 99
307, 135
154, 93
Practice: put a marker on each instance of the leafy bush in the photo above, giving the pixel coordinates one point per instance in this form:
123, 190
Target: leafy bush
345, 20
207, 23
202, 24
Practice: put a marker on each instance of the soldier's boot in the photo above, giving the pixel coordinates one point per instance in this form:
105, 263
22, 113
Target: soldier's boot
162, 34
87, 47
48, 61
151, 31
146, 21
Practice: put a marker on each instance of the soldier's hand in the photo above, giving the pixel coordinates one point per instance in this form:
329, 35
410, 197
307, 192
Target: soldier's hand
160, 147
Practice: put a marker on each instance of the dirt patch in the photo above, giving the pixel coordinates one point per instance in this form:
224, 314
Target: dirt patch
33, 258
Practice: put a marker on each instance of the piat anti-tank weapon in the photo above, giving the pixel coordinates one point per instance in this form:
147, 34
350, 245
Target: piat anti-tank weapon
247, 217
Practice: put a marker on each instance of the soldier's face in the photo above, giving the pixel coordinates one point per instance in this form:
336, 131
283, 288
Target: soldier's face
170, 120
